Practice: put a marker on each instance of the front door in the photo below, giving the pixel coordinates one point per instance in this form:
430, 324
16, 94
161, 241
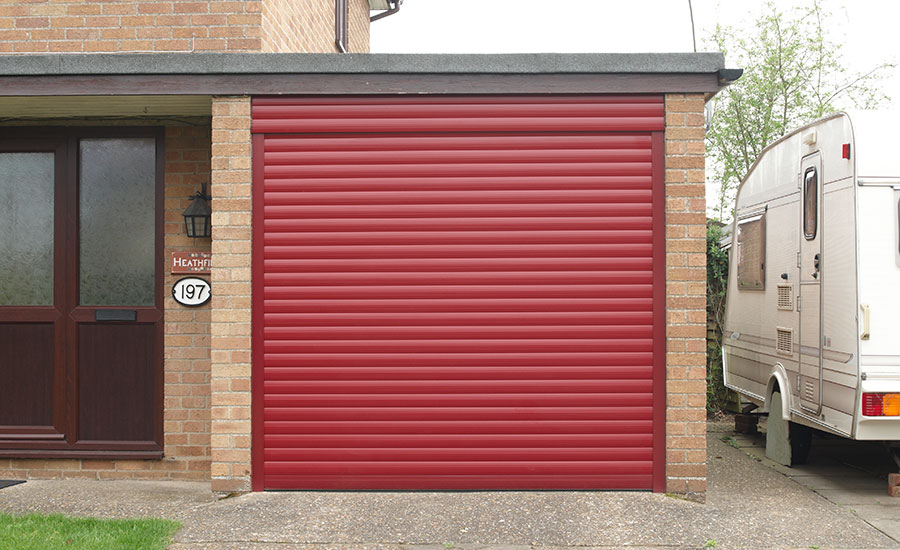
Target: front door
811, 265
80, 293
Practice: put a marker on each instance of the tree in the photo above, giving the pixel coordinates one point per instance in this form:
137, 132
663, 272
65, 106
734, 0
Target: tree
793, 74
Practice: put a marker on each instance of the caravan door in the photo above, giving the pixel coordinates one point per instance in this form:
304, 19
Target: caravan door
811, 265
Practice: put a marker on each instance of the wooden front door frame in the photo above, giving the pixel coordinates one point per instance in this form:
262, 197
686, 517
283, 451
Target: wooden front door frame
62, 441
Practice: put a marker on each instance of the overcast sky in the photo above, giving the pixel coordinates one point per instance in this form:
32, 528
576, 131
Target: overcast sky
867, 28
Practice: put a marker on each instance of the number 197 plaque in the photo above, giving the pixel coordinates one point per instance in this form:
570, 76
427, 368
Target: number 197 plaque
191, 291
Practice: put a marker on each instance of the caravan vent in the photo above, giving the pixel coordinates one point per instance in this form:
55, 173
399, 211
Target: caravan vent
809, 390
786, 296
785, 341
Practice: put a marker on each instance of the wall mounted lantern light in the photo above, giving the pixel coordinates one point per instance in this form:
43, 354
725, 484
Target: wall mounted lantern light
197, 215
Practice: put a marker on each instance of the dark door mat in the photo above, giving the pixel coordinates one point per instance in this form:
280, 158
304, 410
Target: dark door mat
4, 483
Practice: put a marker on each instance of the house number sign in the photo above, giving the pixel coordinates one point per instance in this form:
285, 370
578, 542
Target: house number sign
191, 291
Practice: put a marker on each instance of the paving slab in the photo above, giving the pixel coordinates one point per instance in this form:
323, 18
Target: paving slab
890, 527
105, 499
862, 484
846, 497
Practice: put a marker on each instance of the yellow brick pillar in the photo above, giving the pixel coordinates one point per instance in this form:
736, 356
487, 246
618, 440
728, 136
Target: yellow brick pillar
230, 318
685, 295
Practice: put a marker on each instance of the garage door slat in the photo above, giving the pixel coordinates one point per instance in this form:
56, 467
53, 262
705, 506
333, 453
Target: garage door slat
520, 399
459, 170
341, 360
462, 332
451, 345
275, 228
446, 455
456, 441
452, 265
492, 155
458, 183
460, 305
625, 385
420, 372
436, 482
297, 280
356, 427
456, 319
518, 196
457, 291
436, 413
513, 250
424, 141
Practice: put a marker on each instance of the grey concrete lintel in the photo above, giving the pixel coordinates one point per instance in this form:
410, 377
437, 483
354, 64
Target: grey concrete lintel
291, 63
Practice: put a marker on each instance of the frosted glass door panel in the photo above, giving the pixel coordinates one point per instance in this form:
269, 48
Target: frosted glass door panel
117, 221
26, 229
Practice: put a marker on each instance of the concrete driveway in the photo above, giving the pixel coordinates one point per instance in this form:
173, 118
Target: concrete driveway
850, 474
750, 505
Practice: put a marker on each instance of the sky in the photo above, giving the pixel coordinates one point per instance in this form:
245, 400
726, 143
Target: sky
866, 28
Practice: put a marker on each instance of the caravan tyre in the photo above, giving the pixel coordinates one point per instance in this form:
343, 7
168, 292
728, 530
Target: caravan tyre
801, 439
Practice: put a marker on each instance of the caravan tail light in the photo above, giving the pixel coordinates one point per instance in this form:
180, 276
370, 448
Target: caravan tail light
881, 404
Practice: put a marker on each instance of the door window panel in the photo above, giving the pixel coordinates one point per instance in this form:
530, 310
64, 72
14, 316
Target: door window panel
117, 221
751, 253
810, 203
26, 227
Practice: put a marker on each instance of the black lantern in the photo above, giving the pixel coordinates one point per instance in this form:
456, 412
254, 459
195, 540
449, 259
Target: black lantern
196, 217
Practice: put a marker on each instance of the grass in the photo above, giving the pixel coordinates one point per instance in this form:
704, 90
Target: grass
38, 532
730, 441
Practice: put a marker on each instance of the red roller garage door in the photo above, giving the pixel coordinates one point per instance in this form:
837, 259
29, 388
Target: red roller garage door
458, 293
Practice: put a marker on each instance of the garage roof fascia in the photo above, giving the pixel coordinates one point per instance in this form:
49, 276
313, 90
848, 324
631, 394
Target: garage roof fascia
274, 74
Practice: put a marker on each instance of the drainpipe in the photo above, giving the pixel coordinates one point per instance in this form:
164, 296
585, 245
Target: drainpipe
391, 11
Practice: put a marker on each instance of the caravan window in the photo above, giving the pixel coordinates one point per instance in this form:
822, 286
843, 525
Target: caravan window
751, 253
810, 203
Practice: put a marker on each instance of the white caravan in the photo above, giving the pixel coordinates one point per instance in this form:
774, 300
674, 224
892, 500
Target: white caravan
812, 317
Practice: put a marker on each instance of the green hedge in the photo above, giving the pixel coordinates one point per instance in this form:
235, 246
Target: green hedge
716, 284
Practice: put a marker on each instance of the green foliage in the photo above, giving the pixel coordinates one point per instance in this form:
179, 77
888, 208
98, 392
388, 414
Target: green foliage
37, 532
793, 74
716, 284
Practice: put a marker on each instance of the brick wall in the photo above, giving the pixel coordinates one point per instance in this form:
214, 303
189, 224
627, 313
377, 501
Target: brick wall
32, 26
187, 392
187, 389
308, 26
685, 295
230, 329
64, 26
